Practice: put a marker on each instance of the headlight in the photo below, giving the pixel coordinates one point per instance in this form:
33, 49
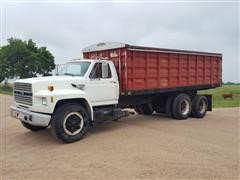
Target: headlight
44, 101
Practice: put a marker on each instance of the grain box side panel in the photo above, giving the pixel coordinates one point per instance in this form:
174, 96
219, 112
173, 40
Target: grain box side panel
183, 70
146, 70
142, 70
151, 79
192, 70
163, 70
207, 70
136, 70
152, 70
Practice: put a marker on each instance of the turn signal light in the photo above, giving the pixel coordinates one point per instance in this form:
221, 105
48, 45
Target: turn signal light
50, 88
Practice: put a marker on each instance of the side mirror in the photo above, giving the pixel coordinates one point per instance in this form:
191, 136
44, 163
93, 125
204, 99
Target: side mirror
104, 70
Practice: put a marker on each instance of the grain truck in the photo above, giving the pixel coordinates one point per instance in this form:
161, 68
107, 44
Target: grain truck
113, 78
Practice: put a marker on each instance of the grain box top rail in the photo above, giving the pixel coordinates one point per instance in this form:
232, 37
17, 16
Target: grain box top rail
116, 45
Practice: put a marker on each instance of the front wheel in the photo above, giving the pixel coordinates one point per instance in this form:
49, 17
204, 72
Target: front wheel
70, 123
33, 128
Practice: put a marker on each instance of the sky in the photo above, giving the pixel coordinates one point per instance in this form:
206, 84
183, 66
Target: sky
65, 28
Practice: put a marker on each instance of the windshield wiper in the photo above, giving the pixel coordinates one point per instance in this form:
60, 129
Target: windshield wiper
69, 74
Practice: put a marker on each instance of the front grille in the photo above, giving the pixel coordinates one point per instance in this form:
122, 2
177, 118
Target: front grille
23, 87
23, 93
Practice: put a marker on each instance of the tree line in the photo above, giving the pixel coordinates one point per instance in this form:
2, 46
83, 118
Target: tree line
23, 59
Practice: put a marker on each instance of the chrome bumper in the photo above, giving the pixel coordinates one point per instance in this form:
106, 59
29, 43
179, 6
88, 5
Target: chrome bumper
35, 119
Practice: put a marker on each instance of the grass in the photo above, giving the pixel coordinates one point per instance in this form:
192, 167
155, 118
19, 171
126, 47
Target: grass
219, 101
6, 89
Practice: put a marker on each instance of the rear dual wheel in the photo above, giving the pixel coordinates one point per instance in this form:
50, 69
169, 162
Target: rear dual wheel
168, 106
178, 106
199, 106
181, 107
146, 109
138, 109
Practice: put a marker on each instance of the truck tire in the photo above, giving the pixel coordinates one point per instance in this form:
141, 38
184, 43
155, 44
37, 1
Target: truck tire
158, 108
168, 106
138, 109
146, 109
70, 122
33, 128
181, 106
199, 106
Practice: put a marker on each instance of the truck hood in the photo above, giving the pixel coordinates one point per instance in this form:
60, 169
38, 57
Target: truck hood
49, 79
59, 82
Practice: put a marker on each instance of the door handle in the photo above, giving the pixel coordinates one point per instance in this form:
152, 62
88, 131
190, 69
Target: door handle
114, 82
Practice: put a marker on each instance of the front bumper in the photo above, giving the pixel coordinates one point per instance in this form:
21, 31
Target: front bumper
35, 119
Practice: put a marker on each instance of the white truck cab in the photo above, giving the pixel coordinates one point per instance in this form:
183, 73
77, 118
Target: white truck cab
66, 101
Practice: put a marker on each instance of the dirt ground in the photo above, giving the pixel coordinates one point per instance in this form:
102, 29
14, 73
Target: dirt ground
137, 147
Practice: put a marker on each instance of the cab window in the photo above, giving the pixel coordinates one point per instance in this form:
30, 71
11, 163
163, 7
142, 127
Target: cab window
96, 72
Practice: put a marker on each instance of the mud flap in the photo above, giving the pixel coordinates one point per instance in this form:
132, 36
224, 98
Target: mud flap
209, 99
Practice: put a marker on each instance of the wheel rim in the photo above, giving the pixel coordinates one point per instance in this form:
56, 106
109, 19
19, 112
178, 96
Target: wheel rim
73, 123
185, 107
202, 106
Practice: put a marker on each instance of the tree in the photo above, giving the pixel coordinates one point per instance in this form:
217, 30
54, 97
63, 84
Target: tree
24, 59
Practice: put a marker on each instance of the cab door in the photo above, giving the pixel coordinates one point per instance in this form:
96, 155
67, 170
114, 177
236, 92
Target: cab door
102, 90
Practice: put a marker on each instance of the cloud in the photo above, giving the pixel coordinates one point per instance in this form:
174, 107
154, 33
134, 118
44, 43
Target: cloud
66, 28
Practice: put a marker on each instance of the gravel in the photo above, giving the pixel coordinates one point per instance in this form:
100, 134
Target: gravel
137, 147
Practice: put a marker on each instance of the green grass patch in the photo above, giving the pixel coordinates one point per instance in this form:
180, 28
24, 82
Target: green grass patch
6, 89
219, 101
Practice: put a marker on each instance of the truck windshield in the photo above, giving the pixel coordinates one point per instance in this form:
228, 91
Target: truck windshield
74, 69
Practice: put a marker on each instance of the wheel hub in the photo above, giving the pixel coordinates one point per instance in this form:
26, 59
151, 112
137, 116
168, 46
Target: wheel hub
185, 107
73, 123
202, 107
